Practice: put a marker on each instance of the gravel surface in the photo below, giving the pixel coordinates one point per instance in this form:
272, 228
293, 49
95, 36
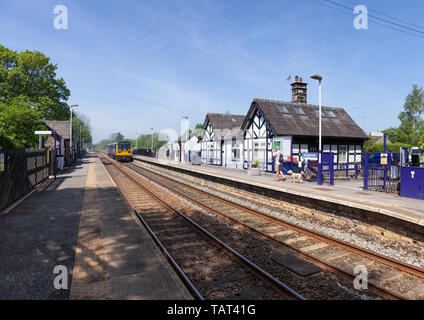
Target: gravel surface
324, 285
348, 231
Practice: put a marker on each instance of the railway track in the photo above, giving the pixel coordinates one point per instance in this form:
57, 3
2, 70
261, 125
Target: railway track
210, 268
385, 273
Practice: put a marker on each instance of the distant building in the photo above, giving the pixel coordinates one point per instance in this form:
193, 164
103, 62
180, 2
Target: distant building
378, 137
187, 143
62, 129
215, 127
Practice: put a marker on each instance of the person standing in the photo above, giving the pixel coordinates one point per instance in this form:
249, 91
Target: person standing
278, 161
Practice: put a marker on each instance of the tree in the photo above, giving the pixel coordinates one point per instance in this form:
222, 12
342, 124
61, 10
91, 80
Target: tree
396, 135
379, 147
31, 73
81, 129
18, 120
412, 125
115, 137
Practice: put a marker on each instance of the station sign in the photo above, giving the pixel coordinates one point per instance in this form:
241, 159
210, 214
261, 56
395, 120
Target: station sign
310, 156
43, 132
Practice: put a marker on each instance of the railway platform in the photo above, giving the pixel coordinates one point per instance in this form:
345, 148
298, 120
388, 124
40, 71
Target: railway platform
81, 222
404, 213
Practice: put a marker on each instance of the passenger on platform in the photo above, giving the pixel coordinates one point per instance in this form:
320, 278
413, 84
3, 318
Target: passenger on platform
278, 161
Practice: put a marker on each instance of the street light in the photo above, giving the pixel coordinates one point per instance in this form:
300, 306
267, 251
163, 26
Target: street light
70, 134
319, 78
187, 134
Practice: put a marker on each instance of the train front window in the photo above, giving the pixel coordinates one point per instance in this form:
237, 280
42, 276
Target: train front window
124, 147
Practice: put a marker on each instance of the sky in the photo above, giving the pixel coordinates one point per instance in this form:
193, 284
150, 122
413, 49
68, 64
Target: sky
132, 65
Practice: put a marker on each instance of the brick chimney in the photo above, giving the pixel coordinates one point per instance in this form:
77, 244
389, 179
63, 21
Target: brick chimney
299, 91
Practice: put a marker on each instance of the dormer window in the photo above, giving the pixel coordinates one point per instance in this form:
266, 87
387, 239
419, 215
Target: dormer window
323, 115
299, 111
330, 114
283, 109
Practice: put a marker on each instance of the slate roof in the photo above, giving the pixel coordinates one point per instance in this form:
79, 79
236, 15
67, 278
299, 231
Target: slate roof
339, 124
378, 139
61, 127
221, 122
234, 133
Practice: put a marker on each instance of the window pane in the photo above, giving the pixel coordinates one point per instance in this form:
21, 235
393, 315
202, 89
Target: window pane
299, 110
283, 109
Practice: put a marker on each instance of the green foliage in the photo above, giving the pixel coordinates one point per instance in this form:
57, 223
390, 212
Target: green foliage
255, 164
410, 133
144, 141
396, 135
379, 147
411, 129
81, 129
114, 137
18, 121
30, 73
198, 126
30, 92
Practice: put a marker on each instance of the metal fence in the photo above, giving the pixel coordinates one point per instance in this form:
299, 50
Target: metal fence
381, 177
20, 171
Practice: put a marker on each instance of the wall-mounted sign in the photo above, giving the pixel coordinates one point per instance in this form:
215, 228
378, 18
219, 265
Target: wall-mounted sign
310, 156
383, 159
43, 132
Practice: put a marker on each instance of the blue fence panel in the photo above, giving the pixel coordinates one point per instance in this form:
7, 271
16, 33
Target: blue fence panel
328, 168
412, 185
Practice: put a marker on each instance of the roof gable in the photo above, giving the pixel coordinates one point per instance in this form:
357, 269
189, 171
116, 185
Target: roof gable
62, 128
297, 119
223, 123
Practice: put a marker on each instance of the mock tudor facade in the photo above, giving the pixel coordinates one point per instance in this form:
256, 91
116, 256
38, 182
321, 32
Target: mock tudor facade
237, 141
215, 127
294, 126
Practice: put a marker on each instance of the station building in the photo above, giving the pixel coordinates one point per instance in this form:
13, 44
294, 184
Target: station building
237, 141
216, 128
294, 127
62, 129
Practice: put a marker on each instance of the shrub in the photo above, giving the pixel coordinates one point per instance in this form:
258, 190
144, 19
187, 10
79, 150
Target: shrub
255, 164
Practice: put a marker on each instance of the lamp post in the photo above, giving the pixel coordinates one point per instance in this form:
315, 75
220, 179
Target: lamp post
319, 78
152, 138
80, 141
186, 141
136, 140
70, 135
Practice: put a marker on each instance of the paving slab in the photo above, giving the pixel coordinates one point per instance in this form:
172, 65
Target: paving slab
82, 222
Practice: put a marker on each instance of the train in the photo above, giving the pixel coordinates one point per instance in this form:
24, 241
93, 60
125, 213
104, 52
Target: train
120, 151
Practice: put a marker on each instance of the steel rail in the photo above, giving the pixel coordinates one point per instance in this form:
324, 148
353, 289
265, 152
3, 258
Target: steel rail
190, 286
414, 270
277, 284
381, 290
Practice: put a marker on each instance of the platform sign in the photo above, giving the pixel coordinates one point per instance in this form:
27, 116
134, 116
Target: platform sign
383, 159
43, 132
310, 156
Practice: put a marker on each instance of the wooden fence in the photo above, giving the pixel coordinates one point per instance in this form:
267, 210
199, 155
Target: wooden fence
20, 171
